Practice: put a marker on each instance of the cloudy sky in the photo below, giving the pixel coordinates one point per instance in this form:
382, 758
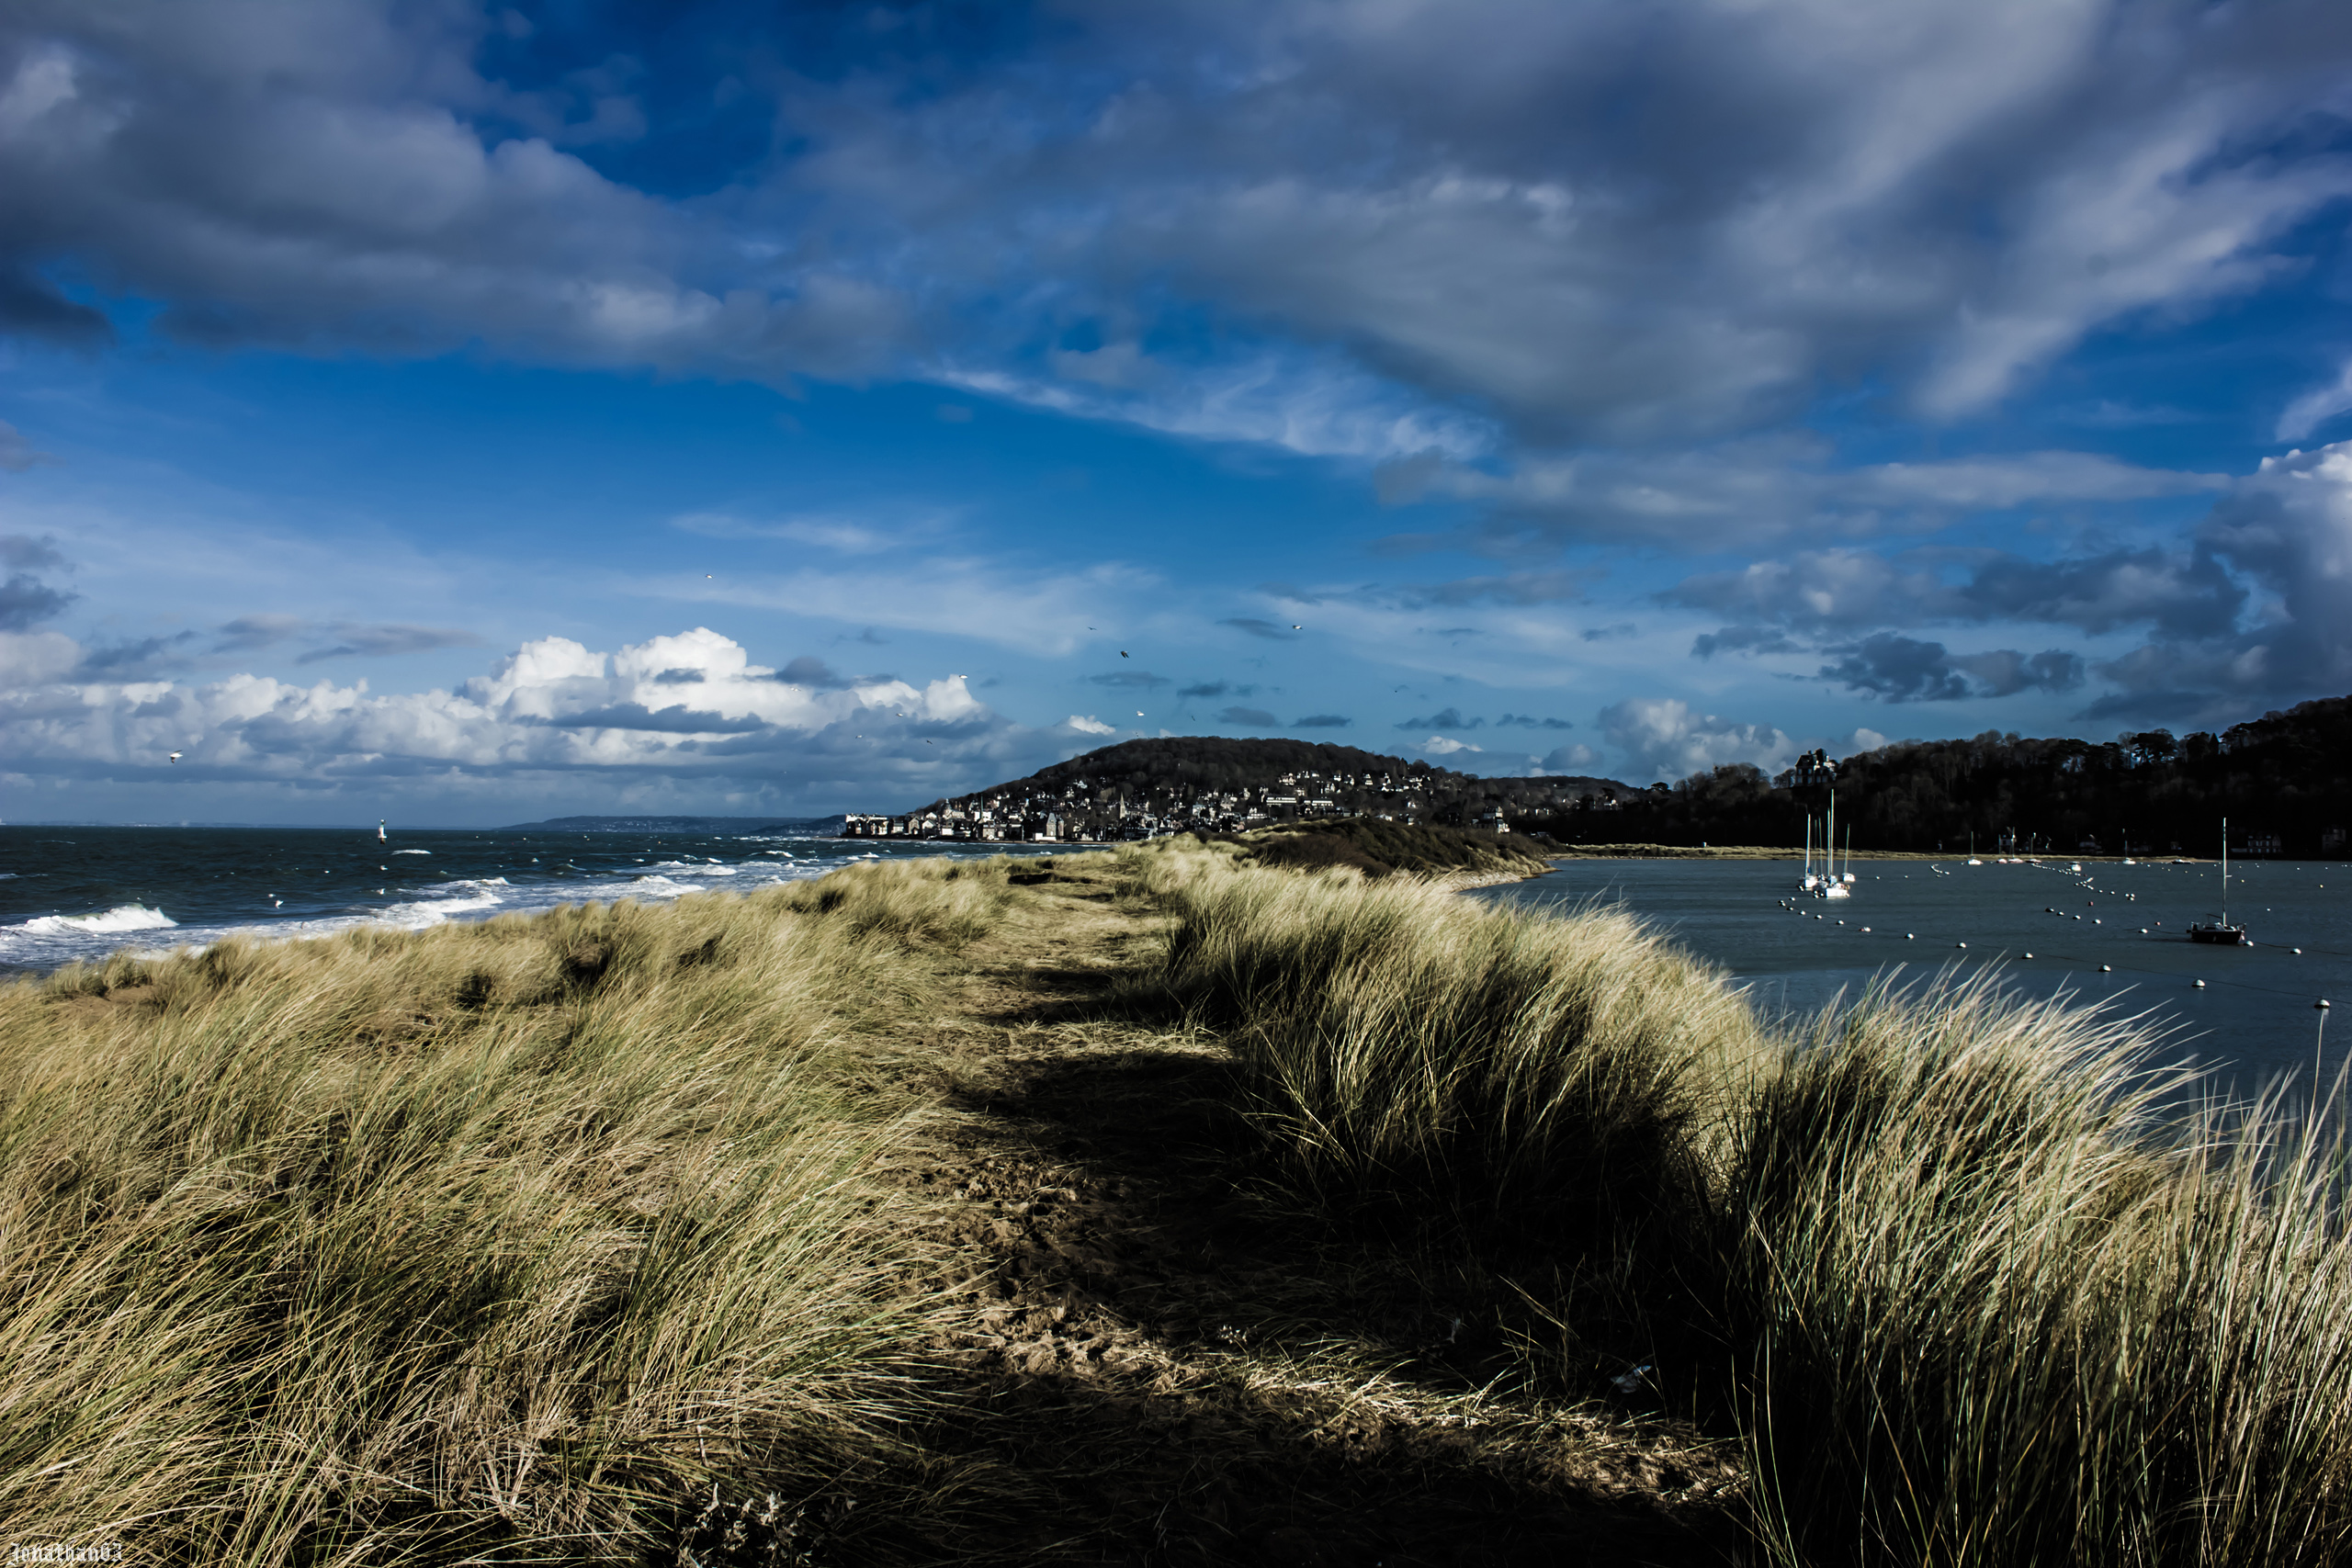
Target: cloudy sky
466, 412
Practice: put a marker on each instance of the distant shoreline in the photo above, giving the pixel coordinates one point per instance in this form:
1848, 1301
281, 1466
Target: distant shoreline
1758, 852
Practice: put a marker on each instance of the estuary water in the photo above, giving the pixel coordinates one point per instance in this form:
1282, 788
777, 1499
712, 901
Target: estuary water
78, 893
2109, 934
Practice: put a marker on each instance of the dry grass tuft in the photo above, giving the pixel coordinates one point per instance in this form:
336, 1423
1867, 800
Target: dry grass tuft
515, 1235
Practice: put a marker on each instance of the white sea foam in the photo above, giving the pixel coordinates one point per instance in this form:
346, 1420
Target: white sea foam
714, 869
121, 918
412, 851
660, 887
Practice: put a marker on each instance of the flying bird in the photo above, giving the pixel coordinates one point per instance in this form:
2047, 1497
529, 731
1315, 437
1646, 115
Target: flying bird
1138, 712
1123, 653
175, 756
1296, 627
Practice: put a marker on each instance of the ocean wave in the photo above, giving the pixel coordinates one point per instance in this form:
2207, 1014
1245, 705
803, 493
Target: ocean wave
412, 851
658, 886
715, 868
121, 918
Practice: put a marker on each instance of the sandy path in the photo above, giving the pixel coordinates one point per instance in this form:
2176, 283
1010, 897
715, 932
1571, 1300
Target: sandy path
1184, 1374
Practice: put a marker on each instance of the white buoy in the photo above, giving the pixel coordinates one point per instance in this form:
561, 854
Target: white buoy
2200, 985
2029, 956
2107, 968
1908, 937
1962, 945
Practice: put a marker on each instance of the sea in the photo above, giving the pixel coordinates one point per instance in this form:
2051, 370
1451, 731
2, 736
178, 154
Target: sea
70, 893
2103, 933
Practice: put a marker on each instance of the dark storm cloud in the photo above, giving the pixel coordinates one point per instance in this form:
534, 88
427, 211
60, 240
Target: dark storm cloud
359, 641
25, 600
1528, 721
1742, 640
140, 660
17, 454
1445, 718
2185, 592
667, 721
1323, 721
1401, 209
1251, 719
2288, 528
1133, 679
1905, 669
810, 670
1511, 588
22, 552
1258, 628
1754, 491
1217, 689
247, 633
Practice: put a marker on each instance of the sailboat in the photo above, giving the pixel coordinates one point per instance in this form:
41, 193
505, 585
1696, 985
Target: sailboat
1831, 888
2221, 931
1810, 881
1971, 847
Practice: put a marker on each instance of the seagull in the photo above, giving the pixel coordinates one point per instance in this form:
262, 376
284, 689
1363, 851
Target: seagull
1138, 712
175, 756
1296, 627
1123, 653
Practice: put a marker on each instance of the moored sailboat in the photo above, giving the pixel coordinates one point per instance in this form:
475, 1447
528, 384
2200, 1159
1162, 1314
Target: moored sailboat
2221, 931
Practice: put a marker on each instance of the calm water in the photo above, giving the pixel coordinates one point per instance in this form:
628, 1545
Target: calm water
68, 893
2252, 1019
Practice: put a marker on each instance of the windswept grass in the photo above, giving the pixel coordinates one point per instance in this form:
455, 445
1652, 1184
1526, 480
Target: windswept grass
1995, 1308
518, 1236
1397, 1041
1966, 1296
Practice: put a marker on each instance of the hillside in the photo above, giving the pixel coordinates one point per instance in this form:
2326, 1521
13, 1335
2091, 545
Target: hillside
1380, 849
1142, 788
2284, 782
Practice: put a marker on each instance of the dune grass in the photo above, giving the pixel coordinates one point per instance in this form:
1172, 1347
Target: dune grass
514, 1241
1963, 1286
512, 1238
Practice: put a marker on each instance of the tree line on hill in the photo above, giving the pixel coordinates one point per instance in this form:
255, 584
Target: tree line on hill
2284, 782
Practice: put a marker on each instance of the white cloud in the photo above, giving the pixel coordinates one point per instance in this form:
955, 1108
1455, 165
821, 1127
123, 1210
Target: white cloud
1087, 724
1664, 737
2316, 407
1445, 745
692, 706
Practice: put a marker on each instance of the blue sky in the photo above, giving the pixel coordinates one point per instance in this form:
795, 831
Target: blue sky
465, 413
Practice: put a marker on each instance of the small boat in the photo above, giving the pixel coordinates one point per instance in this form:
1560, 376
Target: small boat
2221, 933
1830, 886
1810, 881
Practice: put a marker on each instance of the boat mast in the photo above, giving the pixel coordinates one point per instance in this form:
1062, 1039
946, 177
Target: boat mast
1808, 849
2225, 870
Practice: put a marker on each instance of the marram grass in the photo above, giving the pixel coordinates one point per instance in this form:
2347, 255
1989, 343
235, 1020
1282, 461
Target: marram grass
1952, 1264
509, 1242
508, 1238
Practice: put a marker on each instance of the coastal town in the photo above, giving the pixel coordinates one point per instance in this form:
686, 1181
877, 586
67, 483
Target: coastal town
1150, 789
1095, 811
